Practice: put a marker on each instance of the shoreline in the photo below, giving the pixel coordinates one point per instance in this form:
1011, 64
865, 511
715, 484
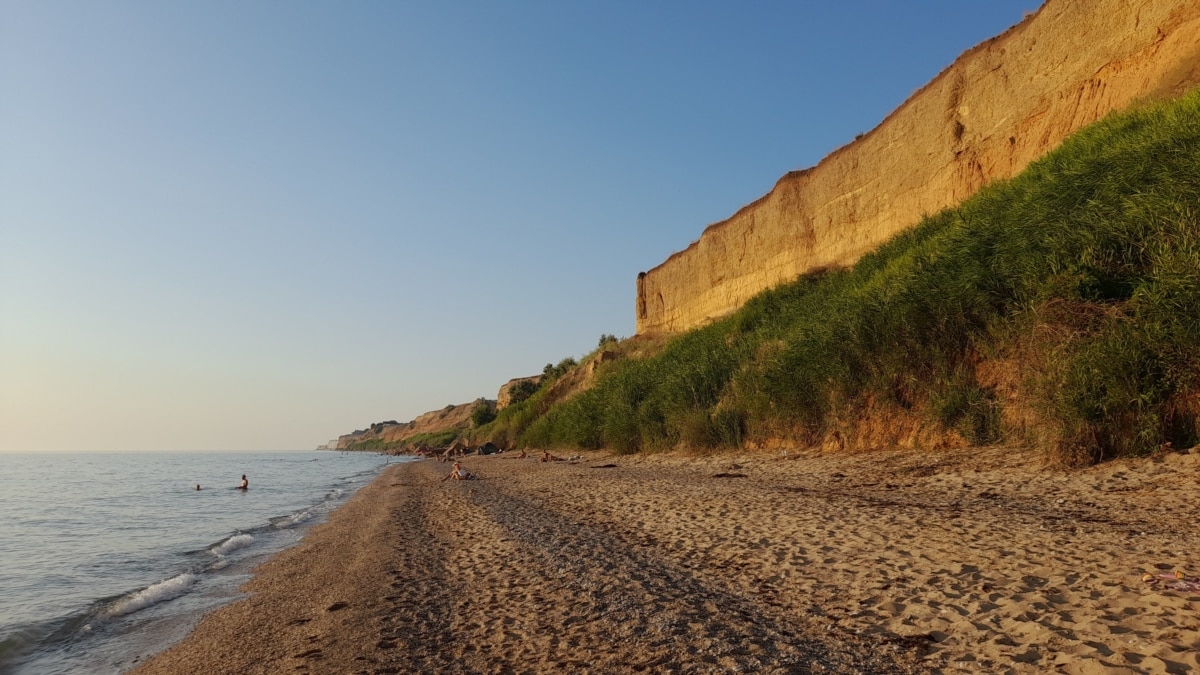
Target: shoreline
892, 561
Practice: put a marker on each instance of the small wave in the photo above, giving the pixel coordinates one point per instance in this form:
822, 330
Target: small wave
232, 544
13, 646
294, 519
302, 516
160, 592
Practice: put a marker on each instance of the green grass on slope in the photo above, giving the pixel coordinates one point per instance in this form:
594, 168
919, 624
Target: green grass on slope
1084, 270
434, 439
514, 419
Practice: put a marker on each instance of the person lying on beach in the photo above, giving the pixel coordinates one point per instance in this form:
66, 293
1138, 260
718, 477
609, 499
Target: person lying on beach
459, 473
547, 457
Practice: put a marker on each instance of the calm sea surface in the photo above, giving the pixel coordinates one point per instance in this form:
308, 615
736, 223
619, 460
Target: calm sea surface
106, 559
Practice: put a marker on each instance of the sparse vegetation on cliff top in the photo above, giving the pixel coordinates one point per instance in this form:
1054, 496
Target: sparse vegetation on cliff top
1061, 308
482, 413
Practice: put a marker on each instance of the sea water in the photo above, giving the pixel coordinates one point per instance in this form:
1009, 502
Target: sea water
107, 558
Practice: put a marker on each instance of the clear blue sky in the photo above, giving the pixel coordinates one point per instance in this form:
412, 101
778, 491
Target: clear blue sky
259, 225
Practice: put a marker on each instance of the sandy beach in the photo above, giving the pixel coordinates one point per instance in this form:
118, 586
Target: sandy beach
973, 560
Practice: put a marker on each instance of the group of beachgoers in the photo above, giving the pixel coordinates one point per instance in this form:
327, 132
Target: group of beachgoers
460, 473
547, 457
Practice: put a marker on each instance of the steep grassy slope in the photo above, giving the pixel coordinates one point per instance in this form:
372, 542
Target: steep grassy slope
1060, 308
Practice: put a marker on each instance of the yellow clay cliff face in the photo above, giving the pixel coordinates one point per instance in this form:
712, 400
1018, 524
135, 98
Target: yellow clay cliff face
450, 417
504, 397
998, 107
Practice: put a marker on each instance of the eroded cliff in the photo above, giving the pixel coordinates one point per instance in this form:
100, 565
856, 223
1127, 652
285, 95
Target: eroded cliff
998, 107
450, 417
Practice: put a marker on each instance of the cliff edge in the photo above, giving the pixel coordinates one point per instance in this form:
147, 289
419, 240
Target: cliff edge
385, 433
999, 106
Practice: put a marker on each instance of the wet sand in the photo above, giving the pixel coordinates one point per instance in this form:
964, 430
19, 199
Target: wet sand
958, 561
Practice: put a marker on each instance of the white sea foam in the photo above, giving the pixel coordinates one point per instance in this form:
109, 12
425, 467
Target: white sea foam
232, 544
160, 592
294, 519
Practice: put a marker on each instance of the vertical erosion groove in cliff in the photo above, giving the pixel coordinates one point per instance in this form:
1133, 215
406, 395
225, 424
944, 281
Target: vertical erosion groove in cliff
998, 107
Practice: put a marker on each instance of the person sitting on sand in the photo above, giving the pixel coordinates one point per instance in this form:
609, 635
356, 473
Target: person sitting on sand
459, 473
245, 483
547, 457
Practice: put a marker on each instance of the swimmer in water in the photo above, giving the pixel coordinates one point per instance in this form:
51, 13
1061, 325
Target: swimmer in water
245, 483
197, 487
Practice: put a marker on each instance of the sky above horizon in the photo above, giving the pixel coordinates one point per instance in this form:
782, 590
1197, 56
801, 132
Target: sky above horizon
257, 226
